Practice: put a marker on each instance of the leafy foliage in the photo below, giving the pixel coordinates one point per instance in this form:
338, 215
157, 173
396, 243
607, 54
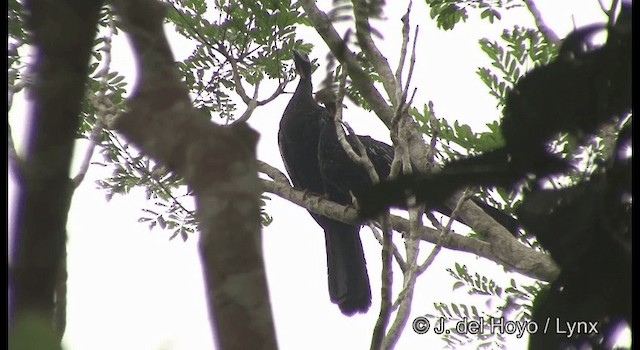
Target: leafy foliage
251, 38
241, 40
458, 139
518, 299
525, 49
448, 13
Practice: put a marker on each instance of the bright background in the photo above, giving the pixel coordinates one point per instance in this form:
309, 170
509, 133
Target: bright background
131, 288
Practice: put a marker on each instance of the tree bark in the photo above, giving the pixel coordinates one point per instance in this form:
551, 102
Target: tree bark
63, 34
219, 164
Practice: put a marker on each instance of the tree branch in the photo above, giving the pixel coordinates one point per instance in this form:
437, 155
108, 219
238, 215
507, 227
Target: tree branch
99, 102
251, 102
403, 46
377, 59
443, 233
359, 78
219, 164
396, 252
362, 159
272, 172
515, 257
386, 290
547, 32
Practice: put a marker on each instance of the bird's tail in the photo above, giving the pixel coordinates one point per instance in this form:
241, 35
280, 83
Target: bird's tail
347, 272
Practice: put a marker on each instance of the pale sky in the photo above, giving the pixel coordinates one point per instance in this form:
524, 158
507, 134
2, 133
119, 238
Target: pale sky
131, 288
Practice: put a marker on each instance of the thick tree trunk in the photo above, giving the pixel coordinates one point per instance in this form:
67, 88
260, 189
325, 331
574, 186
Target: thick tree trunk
63, 34
219, 164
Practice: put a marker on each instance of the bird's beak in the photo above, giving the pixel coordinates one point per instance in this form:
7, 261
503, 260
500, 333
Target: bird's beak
302, 63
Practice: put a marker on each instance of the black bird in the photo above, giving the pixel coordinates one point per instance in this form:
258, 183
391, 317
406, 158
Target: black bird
342, 173
338, 169
298, 137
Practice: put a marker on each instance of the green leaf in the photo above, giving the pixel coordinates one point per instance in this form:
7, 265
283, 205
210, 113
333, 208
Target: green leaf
457, 285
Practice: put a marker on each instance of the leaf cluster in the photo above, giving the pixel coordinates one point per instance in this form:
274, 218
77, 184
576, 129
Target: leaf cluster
448, 13
252, 39
486, 291
521, 50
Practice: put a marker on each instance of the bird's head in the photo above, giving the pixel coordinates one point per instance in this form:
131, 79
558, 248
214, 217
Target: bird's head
303, 64
327, 97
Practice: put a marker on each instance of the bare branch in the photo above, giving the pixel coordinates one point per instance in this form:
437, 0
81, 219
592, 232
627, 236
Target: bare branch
251, 102
396, 252
272, 172
84, 166
547, 32
251, 106
100, 102
515, 257
405, 297
14, 89
444, 232
362, 159
237, 81
403, 47
377, 59
434, 133
412, 64
276, 93
610, 12
386, 309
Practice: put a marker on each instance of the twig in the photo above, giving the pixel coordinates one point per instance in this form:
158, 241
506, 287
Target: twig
99, 104
251, 105
444, 232
235, 73
362, 159
251, 102
396, 252
434, 221
547, 32
412, 64
137, 164
403, 48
